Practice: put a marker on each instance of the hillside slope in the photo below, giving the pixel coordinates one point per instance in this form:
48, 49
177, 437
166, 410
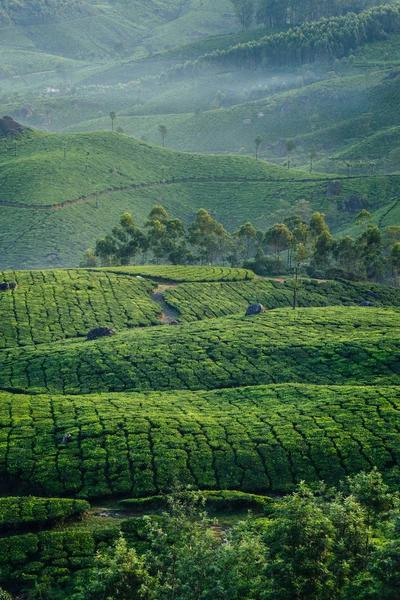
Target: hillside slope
62, 192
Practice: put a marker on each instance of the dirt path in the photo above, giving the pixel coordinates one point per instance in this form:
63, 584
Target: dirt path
168, 314
144, 186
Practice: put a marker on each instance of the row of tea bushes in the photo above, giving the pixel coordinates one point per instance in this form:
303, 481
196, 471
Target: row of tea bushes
19, 512
255, 439
53, 555
333, 345
182, 273
226, 500
210, 300
53, 305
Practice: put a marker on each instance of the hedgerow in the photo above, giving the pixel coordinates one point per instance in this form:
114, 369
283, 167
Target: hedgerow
21, 512
334, 345
55, 555
52, 305
215, 499
197, 301
256, 439
180, 273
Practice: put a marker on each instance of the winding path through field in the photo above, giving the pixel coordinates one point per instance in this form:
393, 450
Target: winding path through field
144, 186
169, 314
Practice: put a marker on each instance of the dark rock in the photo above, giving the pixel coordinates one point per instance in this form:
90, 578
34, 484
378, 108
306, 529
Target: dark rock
10, 128
99, 332
354, 204
4, 286
12, 285
255, 309
174, 322
334, 188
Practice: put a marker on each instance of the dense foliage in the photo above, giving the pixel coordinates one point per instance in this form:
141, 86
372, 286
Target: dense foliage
53, 305
318, 41
212, 300
22, 513
323, 543
314, 345
256, 439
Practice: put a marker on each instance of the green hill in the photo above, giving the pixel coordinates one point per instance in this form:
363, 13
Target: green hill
351, 346
62, 192
258, 438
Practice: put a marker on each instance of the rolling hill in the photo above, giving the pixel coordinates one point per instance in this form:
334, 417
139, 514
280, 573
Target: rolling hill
233, 404
62, 192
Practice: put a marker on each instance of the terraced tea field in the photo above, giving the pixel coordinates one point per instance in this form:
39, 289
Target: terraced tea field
335, 345
257, 439
210, 300
53, 305
224, 403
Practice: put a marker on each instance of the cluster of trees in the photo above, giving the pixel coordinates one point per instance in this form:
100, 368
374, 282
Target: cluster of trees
373, 255
206, 241
321, 543
316, 41
279, 13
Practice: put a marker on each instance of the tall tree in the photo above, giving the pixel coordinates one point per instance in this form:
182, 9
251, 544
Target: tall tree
244, 12
112, 117
257, 142
290, 145
208, 236
246, 236
278, 238
164, 233
163, 131
313, 155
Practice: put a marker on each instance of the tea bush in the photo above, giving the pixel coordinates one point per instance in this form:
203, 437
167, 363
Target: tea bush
217, 500
208, 300
183, 273
335, 345
256, 439
52, 305
52, 554
23, 512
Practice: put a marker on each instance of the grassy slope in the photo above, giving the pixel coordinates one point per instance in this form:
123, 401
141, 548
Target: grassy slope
33, 234
210, 300
52, 305
331, 346
254, 439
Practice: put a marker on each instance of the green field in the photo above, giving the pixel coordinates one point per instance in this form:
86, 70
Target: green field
54, 305
189, 390
252, 439
340, 345
212, 300
60, 193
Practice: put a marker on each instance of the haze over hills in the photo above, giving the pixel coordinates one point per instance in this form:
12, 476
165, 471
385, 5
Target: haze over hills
152, 143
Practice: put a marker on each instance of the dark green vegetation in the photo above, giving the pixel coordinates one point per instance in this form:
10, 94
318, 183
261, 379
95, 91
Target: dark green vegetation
243, 408
53, 305
331, 346
257, 439
177, 273
22, 512
198, 301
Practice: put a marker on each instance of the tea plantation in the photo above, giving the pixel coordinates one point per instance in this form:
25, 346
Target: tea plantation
197, 301
52, 305
314, 345
242, 407
257, 439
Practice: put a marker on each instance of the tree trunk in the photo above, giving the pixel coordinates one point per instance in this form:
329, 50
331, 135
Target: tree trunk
295, 286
